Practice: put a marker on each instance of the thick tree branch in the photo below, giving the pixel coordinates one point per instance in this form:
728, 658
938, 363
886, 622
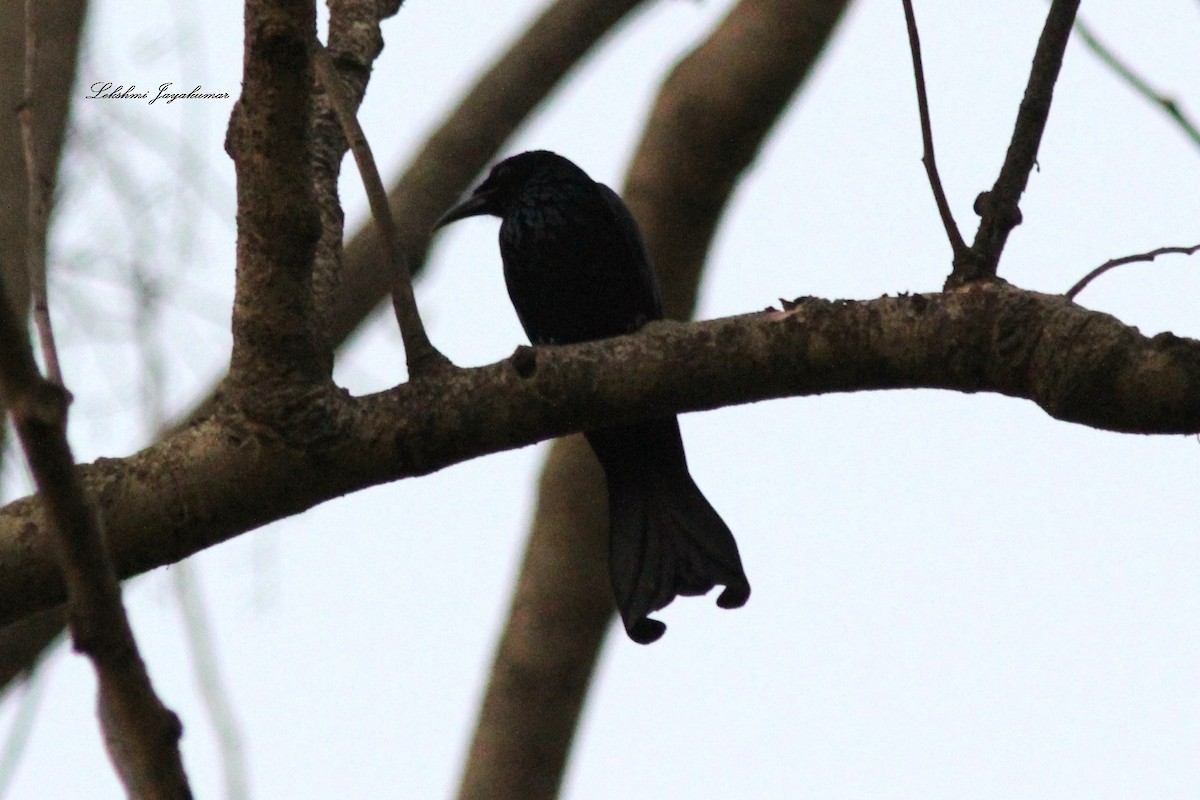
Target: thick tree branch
998, 208
560, 610
708, 122
222, 478
276, 347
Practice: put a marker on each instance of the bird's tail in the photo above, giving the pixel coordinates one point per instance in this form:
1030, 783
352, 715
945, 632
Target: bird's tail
665, 539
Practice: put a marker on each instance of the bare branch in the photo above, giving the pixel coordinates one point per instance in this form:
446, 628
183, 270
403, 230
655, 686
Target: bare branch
957, 245
141, 734
1168, 105
355, 42
999, 208
1117, 262
39, 204
276, 345
222, 477
34, 687
422, 356
58, 28
212, 688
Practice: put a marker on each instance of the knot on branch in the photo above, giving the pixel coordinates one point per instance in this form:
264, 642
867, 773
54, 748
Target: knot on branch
1006, 215
524, 361
45, 403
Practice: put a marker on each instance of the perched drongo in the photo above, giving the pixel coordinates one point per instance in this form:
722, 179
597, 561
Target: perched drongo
577, 270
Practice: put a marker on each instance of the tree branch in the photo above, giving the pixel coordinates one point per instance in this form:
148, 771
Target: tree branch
39, 183
998, 209
59, 25
957, 246
140, 733
560, 610
421, 355
1166, 104
276, 346
355, 42
1118, 262
224, 477
449, 159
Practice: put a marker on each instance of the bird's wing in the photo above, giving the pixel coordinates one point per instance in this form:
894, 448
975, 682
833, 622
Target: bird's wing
633, 239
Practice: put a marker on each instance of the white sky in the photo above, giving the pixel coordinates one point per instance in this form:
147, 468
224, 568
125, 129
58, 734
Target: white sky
954, 596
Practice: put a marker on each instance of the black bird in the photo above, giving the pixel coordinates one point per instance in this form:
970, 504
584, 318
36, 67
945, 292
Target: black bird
577, 270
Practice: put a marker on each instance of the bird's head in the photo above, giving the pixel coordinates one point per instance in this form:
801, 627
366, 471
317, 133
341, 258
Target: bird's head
511, 181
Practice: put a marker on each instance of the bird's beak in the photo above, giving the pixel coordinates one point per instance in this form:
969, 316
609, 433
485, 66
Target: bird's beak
476, 204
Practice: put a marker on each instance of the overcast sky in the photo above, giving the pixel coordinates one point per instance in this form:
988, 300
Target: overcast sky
955, 596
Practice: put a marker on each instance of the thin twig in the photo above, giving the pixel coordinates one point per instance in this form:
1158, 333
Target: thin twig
422, 356
1168, 105
998, 209
39, 203
211, 685
957, 245
34, 686
1117, 262
197, 632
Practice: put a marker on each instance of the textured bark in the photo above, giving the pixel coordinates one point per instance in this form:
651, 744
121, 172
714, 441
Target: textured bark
355, 41
229, 474
276, 347
708, 121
